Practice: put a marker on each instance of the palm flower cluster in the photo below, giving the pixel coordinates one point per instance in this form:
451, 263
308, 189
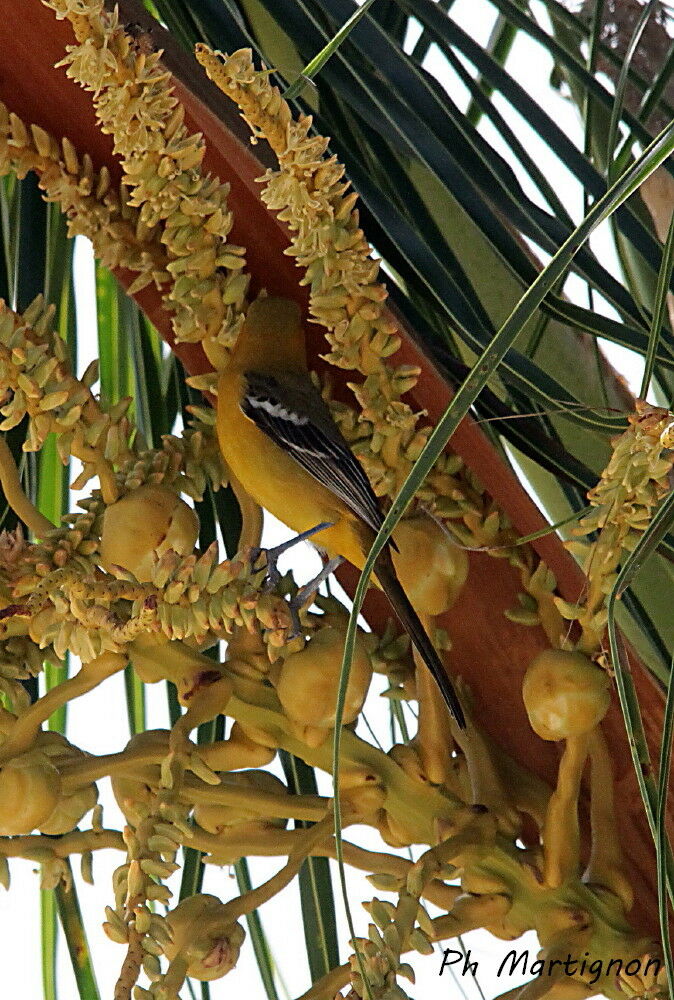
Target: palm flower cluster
634, 483
124, 581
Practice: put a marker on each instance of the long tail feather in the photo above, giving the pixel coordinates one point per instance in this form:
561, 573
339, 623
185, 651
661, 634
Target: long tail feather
409, 619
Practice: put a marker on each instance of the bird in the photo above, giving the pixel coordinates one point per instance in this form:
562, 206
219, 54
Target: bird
278, 438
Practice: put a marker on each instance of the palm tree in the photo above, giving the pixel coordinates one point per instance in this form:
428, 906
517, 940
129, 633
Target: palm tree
455, 162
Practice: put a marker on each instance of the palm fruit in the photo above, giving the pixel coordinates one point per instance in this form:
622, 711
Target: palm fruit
308, 680
30, 788
131, 793
69, 809
362, 792
204, 937
216, 818
238, 751
142, 526
565, 694
156, 658
430, 567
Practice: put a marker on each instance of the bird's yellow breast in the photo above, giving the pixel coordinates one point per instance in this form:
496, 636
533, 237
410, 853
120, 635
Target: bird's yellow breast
276, 481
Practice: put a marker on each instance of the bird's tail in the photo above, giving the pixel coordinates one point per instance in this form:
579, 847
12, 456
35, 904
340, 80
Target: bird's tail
409, 619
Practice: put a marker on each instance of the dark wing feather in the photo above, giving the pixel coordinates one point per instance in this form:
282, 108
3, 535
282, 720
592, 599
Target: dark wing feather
294, 415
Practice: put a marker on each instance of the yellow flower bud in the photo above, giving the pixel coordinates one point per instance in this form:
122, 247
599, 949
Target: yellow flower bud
216, 818
565, 694
430, 567
204, 937
30, 787
143, 525
308, 681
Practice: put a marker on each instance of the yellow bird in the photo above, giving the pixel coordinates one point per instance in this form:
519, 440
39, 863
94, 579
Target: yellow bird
278, 438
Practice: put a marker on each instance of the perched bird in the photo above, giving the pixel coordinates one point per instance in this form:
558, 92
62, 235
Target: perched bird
278, 438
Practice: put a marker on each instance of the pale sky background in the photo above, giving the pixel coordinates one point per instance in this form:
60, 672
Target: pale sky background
98, 722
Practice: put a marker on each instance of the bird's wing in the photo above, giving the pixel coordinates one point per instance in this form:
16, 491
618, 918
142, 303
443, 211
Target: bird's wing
291, 411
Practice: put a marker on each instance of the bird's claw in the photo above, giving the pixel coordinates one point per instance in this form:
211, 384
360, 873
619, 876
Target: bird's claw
297, 602
272, 555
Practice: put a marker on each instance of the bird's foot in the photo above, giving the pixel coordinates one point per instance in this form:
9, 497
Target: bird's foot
272, 556
297, 602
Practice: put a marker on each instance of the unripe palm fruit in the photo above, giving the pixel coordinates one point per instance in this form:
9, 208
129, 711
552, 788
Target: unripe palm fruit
204, 937
362, 792
565, 694
155, 658
238, 751
430, 567
308, 681
30, 787
393, 832
143, 525
70, 808
216, 818
131, 793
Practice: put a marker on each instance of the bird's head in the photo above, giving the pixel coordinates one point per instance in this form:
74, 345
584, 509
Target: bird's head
272, 336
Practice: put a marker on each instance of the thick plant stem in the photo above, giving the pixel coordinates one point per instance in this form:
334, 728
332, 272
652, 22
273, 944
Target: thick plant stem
251, 516
250, 901
77, 842
16, 498
607, 864
26, 727
434, 736
561, 835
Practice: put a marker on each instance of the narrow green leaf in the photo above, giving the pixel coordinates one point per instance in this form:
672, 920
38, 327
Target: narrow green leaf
52, 501
624, 683
317, 900
31, 243
662, 842
218, 506
192, 873
621, 86
588, 107
647, 544
649, 103
318, 62
499, 44
534, 535
151, 414
7, 252
263, 954
578, 29
475, 381
659, 309
59, 260
208, 732
51, 268
135, 700
398, 718
119, 327
420, 50
519, 369
70, 916
114, 366
48, 937
517, 148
